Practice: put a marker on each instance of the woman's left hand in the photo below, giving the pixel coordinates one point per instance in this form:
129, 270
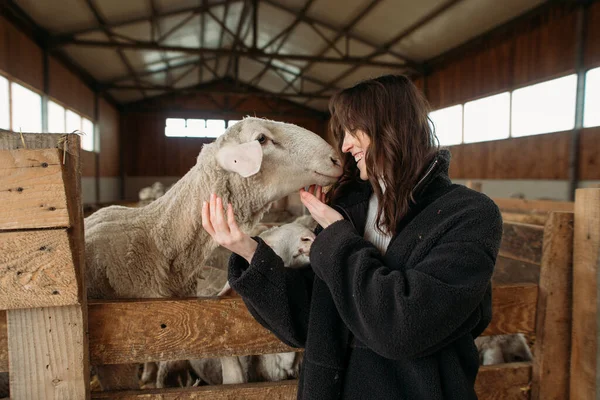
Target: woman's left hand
315, 203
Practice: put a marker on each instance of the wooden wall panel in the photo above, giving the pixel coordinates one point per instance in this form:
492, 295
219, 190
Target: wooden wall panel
20, 57
533, 157
537, 49
67, 88
88, 164
109, 125
592, 43
589, 154
545, 47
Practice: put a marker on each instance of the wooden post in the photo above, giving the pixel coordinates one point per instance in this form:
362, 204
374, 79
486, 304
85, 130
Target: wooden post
47, 346
586, 257
553, 326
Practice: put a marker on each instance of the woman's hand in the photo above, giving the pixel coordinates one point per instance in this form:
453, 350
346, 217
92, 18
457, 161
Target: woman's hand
315, 203
225, 231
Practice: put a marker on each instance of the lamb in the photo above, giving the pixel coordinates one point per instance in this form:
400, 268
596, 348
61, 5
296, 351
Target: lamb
292, 243
155, 251
501, 349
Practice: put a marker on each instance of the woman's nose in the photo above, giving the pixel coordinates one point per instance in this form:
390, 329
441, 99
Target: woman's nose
346, 144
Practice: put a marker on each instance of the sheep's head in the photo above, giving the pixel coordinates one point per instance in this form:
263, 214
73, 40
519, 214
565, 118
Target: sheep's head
281, 157
291, 242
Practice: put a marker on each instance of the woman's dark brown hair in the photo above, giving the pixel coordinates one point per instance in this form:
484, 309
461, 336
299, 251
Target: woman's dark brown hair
393, 113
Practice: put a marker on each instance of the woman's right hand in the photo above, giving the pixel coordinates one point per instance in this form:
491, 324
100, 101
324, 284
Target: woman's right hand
225, 231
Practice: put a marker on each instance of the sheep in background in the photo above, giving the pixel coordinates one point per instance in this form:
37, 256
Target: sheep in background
157, 250
151, 193
292, 243
500, 349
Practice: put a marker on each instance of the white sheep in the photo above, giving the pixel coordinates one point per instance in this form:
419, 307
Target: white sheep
500, 349
292, 243
151, 193
157, 250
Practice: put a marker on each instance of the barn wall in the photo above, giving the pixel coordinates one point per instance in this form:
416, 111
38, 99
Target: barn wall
23, 61
536, 49
151, 156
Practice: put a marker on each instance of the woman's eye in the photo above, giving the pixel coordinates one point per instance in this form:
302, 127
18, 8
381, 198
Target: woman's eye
261, 139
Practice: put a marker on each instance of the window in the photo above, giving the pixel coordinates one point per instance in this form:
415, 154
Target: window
73, 121
4, 106
487, 118
87, 140
26, 109
56, 117
545, 107
447, 123
179, 127
592, 98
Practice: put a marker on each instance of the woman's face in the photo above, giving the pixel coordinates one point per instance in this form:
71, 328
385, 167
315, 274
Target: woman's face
357, 145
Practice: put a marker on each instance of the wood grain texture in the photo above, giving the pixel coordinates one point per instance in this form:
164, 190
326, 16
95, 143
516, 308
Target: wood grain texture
32, 190
499, 382
285, 390
150, 330
3, 342
553, 324
513, 309
520, 205
45, 353
525, 217
48, 346
586, 260
509, 272
522, 242
36, 269
503, 382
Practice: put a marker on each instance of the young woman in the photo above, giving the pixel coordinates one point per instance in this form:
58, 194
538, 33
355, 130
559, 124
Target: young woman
399, 284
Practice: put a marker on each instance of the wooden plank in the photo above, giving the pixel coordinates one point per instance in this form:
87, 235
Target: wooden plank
3, 342
163, 329
586, 258
503, 382
44, 353
497, 382
36, 269
150, 330
48, 346
553, 324
32, 189
509, 272
533, 205
525, 217
513, 309
285, 390
522, 242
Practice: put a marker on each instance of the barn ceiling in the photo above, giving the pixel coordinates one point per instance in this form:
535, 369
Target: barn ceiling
301, 49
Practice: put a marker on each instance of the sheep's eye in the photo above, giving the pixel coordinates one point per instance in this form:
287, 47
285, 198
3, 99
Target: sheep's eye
262, 139
305, 239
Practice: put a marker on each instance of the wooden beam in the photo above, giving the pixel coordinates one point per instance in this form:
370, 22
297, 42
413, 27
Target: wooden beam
150, 330
137, 331
522, 242
553, 325
532, 218
32, 189
513, 272
586, 262
37, 269
140, 45
503, 382
498, 382
514, 308
533, 205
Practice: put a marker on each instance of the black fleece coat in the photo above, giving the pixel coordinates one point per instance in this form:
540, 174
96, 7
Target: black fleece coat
395, 326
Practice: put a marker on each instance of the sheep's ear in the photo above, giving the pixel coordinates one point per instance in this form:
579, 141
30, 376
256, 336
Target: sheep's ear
244, 159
